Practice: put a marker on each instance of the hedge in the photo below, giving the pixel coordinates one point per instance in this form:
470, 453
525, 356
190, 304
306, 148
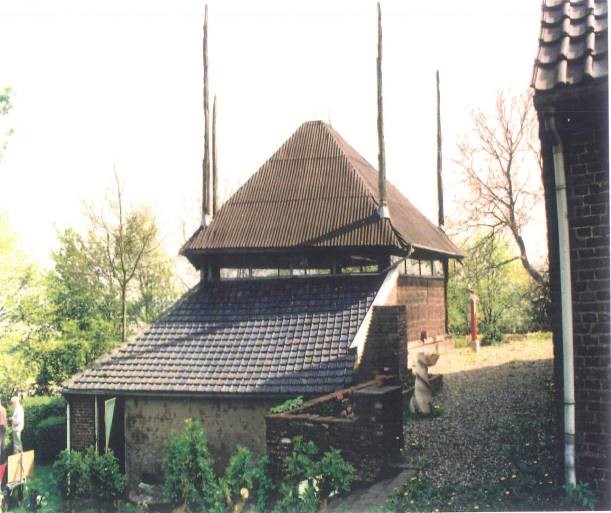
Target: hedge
42, 412
50, 439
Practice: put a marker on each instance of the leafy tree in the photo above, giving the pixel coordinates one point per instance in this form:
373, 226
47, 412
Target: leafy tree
19, 286
81, 291
156, 286
500, 283
124, 239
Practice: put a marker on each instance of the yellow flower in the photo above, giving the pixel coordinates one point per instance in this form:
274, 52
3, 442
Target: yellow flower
414, 478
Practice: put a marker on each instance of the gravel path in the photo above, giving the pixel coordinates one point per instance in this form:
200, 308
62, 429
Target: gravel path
481, 392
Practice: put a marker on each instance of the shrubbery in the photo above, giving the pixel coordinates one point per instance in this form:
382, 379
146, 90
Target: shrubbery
307, 486
89, 475
323, 477
188, 465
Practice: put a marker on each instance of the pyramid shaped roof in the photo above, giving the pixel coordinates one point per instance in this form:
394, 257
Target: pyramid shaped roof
316, 191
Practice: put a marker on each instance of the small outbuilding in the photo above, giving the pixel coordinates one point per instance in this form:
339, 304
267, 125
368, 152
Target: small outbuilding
297, 267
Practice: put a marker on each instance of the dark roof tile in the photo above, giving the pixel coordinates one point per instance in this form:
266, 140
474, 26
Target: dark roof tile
215, 357
573, 46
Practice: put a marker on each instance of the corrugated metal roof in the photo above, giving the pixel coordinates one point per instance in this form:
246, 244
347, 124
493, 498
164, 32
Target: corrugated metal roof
286, 336
573, 46
316, 191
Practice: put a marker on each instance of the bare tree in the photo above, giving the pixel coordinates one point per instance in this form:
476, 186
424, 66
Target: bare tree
125, 239
501, 170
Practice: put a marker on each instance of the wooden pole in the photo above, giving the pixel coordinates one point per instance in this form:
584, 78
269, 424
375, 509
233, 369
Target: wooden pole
441, 220
206, 210
383, 208
215, 197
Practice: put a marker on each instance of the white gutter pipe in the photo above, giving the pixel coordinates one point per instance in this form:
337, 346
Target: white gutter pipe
564, 251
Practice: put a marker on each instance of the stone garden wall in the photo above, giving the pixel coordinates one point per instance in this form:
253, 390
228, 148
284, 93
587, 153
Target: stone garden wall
369, 433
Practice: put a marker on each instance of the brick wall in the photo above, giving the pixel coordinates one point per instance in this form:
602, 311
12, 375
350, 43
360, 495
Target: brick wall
583, 125
370, 440
82, 421
386, 344
425, 302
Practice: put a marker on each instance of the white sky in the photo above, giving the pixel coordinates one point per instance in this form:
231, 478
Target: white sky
120, 82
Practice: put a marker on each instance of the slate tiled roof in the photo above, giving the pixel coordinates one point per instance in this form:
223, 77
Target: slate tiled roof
573, 44
316, 191
285, 336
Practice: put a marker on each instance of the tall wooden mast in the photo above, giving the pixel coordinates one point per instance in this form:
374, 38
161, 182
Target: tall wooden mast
206, 206
215, 156
441, 219
383, 206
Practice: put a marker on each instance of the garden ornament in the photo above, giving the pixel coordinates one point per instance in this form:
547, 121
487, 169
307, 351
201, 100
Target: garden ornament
423, 396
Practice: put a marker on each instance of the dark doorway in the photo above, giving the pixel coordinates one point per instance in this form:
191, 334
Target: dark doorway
111, 427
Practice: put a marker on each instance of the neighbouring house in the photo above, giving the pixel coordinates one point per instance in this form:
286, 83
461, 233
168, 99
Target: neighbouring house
299, 275
571, 97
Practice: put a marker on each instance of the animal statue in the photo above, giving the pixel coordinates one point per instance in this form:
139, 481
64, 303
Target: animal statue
423, 396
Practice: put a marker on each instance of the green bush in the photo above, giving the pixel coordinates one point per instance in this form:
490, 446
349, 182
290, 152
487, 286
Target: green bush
72, 474
288, 405
89, 475
50, 439
35, 410
492, 335
238, 476
263, 485
107, 481
323, 477
189, 475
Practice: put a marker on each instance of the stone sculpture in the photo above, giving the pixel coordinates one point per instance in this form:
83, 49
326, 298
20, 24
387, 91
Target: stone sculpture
423, 395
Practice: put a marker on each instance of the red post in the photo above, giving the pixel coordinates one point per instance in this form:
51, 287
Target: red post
473, 310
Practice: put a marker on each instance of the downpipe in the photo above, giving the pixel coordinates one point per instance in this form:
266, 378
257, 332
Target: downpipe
566, 299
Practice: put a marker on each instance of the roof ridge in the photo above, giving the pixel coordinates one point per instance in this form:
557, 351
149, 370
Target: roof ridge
342, 144
373, 192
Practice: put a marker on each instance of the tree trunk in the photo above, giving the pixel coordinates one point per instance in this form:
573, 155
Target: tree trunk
324, 505
123, 313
